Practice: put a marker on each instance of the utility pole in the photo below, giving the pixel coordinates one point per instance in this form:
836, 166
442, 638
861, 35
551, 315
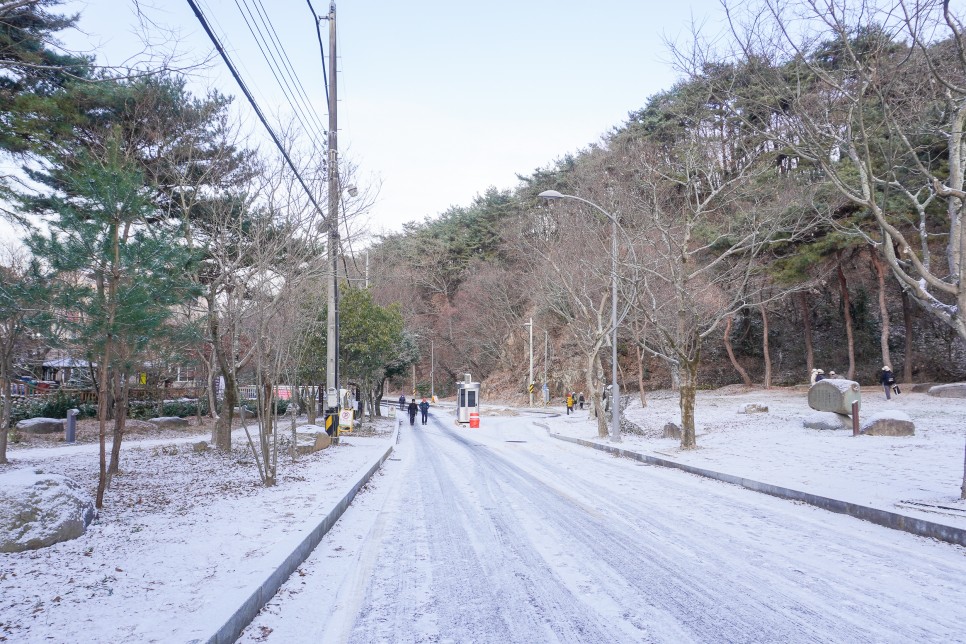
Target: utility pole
432, 370
530, 381
332, 330
546, 359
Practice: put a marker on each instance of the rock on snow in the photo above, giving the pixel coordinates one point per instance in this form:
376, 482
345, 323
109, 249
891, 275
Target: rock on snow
38, 510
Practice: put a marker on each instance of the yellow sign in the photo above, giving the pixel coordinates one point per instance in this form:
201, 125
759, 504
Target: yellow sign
530, 388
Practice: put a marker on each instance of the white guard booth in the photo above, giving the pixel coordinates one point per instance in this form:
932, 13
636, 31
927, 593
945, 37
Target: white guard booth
467, 399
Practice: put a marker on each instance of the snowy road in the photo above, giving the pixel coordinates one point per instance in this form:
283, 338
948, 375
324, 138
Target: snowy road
503, 534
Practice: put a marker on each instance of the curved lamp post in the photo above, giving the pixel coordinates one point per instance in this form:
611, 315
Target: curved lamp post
615, 425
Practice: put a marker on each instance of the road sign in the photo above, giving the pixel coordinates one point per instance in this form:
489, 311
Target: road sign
345, 420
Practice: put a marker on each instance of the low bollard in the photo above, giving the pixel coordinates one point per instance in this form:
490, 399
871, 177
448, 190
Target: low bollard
855, 418
71, 429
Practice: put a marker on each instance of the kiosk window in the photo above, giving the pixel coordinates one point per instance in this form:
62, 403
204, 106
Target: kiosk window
462, 398
472, 401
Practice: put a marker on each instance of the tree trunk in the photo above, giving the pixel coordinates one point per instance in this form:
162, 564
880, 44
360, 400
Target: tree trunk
807, 332
847, 313
962, 490
593, 364
883, 310
311, 404
229, 402
640, 374
120, 417
5, 371
766, 350
907, 357
689, 386
731, 352
212, 394
102, 425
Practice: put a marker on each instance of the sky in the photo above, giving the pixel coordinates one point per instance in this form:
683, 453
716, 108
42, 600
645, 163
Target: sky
438, 100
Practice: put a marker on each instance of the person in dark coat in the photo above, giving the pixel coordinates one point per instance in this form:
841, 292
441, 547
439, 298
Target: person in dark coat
819, 375
424, 410
412, 411
888, 380
402, 402
580, 400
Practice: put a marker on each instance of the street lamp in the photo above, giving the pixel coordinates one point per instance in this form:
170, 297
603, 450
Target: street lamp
615, 426
530, 381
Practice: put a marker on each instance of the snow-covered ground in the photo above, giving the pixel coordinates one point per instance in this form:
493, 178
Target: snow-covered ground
506, 534
183, 540
185, 536
916, 475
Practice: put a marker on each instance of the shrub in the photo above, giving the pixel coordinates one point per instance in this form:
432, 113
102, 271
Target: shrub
52, 406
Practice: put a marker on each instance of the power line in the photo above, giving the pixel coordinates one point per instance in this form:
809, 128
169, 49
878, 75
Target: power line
318, 32
274, 68
251, 100
285, 67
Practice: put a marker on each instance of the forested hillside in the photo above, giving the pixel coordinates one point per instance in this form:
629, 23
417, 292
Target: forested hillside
794, 205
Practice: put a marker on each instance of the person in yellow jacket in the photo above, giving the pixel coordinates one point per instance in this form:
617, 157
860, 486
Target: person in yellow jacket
570, 403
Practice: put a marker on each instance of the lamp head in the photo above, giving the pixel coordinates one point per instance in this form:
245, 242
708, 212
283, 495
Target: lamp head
550, 195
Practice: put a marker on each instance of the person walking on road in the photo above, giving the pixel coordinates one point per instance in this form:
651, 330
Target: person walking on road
424, 410
570, 403
412, 411
580, 400
402, 401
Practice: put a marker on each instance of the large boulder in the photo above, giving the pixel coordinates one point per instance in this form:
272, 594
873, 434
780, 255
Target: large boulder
40, 425
827, 420
888, 423
166, 422
953, 390
835, 395
38, 510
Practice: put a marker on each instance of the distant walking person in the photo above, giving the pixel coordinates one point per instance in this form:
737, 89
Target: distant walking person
888, 381
580, 400
412, 411
819, 375
570, 403
424, 410
402, 402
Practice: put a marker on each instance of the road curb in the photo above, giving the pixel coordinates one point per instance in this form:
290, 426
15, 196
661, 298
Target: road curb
884, 518
232, 629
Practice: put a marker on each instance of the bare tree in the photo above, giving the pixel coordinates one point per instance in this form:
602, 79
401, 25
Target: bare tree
701, 231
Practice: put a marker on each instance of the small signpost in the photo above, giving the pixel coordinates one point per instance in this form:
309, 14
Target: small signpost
345, 420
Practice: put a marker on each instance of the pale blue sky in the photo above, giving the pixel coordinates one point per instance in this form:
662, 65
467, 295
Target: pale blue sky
441, 99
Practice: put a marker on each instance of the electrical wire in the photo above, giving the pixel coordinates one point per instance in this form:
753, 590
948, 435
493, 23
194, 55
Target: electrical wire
275, 68
296, 81
318, 32
258, 112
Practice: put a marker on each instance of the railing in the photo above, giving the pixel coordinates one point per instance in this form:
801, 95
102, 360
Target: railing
250, 392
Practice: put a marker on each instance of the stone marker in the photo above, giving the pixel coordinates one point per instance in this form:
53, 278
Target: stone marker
40, 425
753, 408
834, 395
889, 423
165, 422
827, 420
672, 431
38, 510
953, 390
